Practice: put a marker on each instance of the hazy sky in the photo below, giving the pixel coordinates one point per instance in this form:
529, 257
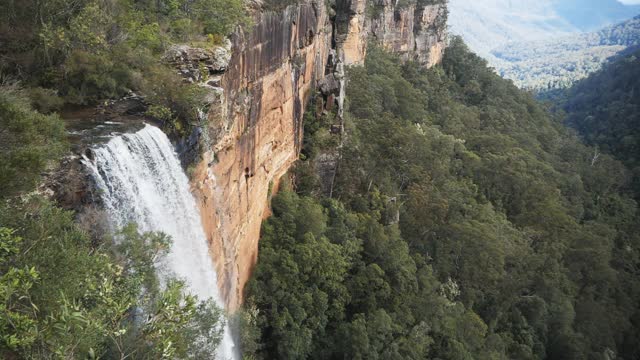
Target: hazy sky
630, 2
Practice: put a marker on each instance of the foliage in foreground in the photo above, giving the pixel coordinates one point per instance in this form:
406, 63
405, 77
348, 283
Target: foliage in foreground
66, 295
66, 289
465, 223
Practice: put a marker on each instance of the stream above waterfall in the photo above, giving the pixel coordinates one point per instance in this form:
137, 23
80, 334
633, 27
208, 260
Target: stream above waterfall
90, 125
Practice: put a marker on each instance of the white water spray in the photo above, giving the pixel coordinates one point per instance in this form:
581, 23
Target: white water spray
142, 181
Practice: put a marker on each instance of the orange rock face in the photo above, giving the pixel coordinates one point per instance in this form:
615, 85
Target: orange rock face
255, 129
271, 75
354, 45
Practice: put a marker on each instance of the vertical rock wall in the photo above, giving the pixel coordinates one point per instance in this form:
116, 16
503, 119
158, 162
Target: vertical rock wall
254, 130
415, 31
256, 136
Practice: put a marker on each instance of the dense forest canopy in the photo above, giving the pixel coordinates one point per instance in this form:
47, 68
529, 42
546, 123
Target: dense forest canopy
465, 222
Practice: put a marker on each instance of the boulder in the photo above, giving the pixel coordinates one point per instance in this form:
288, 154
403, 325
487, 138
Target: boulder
329, 85
191, 61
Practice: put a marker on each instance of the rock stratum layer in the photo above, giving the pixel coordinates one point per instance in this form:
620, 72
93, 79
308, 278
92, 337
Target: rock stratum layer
253, 128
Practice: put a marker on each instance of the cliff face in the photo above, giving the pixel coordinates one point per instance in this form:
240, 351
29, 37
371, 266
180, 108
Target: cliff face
253, 130
416, 31
256, 133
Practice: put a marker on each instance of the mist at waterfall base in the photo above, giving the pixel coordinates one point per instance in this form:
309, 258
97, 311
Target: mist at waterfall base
141, 180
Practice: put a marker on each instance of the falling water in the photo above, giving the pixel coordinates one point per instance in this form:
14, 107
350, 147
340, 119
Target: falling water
141, 181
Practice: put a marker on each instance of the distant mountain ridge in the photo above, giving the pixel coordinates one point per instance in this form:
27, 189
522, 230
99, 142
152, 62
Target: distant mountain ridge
547, 43
558, 63
623, 34
487, 24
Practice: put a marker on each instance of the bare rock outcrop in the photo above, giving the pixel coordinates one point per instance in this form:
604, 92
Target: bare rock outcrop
197, 64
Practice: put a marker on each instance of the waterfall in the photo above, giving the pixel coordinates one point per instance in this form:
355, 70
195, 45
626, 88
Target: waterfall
141, 180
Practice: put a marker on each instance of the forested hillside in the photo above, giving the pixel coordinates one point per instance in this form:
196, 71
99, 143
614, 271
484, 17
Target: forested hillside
464, 222
605, 109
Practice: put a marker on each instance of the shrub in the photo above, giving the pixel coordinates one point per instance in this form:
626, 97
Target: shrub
146, 36
63, 295
182, 29
92, 77
45, 100
160, 112
175, 102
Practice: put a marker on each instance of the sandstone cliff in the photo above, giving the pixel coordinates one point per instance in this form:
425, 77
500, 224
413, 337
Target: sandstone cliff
253, 128
415, 30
